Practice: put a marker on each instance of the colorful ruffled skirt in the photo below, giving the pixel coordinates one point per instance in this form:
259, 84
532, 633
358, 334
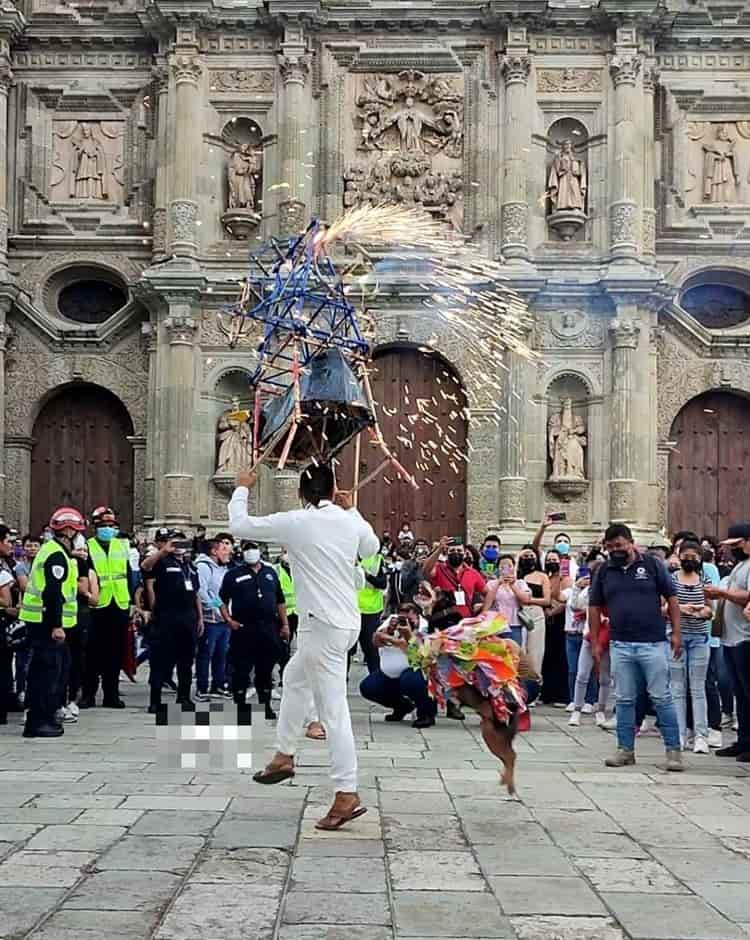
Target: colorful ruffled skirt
477, 652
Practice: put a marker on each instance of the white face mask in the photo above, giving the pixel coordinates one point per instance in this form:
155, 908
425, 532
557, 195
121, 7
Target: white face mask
79, 542
399, 565
251, 556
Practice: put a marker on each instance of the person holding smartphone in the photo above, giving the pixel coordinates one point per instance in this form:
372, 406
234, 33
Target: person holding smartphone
454, 574
562, 545
507, 595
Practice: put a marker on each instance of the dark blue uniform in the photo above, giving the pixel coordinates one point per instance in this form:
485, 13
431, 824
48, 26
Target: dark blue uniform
253, 598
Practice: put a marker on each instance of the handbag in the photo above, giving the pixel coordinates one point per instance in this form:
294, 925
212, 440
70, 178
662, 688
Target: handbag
717, 624
526, 619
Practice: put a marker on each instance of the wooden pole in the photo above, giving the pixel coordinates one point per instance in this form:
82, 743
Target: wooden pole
357, 455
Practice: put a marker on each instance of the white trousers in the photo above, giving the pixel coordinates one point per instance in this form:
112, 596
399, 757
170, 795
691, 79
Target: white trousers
535, 643
316, 673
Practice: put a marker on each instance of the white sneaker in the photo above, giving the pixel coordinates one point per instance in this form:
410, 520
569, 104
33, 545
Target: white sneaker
251, 691
648, 726
64, 714
276, 695
575, 719
202, 697
601, 719
726, 719
73, 709
60, 714
715, 738
701, 745
610, 724
735, 724
587, 709
689, 741
570, 707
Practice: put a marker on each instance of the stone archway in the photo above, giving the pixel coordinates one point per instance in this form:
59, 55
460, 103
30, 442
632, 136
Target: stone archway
81, 454
402, 377
709, 466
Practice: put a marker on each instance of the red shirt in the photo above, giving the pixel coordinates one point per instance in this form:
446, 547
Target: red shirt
465, 579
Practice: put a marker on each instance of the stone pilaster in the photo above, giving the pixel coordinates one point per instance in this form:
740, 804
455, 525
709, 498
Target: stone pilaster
294, 66
150, 335
159, 221
627, 172
515, 66
648, 222
187, 71
286, 490
623, 484
180, 329
5, 334
512, 483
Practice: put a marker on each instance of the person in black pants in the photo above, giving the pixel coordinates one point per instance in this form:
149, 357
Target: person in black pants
177, 621
255, 609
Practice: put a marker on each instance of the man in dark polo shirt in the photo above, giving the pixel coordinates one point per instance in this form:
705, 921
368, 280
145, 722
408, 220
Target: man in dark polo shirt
632, 587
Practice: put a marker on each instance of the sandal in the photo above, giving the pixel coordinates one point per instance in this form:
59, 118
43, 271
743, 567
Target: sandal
315, 731
274, 775
337, 816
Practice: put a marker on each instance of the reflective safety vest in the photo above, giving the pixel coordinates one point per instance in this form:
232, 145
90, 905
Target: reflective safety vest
287, 588
32, 607
371, 599
112, 571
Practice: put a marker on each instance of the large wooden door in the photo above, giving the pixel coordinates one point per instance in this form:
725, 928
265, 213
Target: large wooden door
709, 471
82, 457
405, 382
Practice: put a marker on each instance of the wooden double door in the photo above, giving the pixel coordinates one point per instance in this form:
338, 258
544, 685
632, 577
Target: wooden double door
411, 389
709, 469
82, 456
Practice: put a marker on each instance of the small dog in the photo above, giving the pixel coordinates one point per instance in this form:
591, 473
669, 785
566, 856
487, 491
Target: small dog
498, 737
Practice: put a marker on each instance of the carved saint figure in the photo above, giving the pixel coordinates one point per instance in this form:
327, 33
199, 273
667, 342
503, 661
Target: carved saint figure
720, 176
566, 436
567, 183
235, 443
241, 178
410, 121
88, 178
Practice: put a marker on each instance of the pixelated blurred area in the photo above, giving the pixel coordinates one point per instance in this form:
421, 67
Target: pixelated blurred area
217, 737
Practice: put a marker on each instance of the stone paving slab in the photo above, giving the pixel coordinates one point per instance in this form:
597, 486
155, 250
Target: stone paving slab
99, 839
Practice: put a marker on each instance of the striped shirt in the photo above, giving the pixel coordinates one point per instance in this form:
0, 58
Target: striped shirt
692, 594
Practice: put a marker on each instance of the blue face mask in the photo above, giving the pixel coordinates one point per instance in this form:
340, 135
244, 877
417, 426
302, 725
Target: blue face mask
490, 553
562, 547
107, 532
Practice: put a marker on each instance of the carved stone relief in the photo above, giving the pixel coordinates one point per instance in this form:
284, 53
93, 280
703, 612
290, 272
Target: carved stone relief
410, 140
569, 80
718, 162
570, 328
87, 162
241, 80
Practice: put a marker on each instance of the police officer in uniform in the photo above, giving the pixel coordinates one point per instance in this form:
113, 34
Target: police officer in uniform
255, 610
177, 618
49, 608
109, 618
371, 600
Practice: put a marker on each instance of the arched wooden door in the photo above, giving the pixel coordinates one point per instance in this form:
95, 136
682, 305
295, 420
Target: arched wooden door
82, 457
411, 388
709, 471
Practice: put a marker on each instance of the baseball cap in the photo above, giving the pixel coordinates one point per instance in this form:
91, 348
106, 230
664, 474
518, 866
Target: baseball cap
164, 534
737, 533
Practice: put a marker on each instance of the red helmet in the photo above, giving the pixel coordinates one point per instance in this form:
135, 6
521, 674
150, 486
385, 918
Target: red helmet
67, 518
100, 512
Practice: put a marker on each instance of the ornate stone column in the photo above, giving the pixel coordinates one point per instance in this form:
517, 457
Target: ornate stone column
623, 489
150, 334
159, 221
516, 67
5, 334
180, 329
294, 65
648, 223
512, 483
187, 70
627, 172
12, 24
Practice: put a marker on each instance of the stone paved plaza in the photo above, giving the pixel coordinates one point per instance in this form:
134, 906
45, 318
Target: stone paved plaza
100, 839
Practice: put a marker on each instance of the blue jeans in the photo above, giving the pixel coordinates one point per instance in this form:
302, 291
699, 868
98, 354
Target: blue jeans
690, 670
404, 693
637, 668
573, 644
212, 648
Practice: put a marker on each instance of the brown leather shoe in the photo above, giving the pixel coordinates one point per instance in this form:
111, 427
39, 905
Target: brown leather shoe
346, 807
281, 768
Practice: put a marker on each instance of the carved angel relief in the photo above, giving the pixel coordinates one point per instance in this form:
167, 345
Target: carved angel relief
87, 163
718, 163
410, 138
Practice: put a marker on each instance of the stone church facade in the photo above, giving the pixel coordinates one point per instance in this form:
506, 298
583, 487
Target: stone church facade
601, 148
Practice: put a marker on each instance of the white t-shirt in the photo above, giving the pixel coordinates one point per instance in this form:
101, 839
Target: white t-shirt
393, 660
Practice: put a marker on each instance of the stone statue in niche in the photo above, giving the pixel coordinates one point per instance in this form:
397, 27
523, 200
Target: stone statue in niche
235, 443
241, 170
410, 141
720, 177
87, 161
567, 185
566, 436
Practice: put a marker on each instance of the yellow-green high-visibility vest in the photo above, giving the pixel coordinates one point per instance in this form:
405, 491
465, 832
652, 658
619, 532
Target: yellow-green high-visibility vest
371, 599
112, 571
32, 608
288, 589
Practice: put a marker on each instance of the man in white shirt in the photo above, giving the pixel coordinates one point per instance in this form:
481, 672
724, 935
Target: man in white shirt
324, 541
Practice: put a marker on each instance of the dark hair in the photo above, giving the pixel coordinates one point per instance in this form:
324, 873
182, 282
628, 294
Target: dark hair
686, 535
4, 532
594, 553
472, 550
492, 538
408, 609
711, 541
506, 557
31, 538
317, 483
618, 531
208, 545
529, 548
563, 535
691, 545
247, 543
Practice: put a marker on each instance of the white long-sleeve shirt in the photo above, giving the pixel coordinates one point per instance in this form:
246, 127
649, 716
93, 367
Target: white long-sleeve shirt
324, 543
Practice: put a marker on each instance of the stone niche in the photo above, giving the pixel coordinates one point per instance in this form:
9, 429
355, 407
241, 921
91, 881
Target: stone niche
566, 180
406, 142
243, 142
567, 438
87, 162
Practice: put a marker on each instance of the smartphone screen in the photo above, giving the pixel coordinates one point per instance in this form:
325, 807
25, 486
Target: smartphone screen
584, 571
558, 516
565, 567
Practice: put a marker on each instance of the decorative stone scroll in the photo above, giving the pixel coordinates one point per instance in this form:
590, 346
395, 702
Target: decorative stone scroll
241, 80
410, 139
563, 81
87, 162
